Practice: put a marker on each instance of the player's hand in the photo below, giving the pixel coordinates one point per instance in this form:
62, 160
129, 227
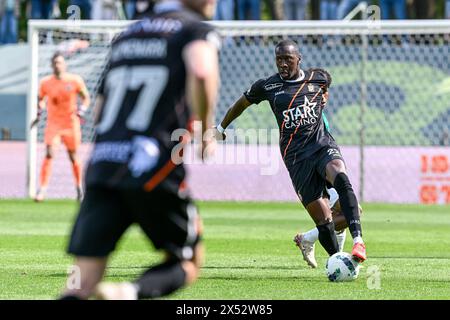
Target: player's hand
218, 135
38, 117
81, 113
34, 123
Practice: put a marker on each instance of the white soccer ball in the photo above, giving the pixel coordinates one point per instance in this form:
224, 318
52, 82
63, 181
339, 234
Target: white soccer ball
342, 267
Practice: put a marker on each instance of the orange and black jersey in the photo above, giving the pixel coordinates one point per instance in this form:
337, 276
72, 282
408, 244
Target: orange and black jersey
297, 106
144, 101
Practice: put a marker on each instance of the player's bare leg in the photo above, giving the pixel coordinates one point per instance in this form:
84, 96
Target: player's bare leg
77, 172
46, 171
159, 280
337, 175
321, 214
308, 239
88, 272
340, 224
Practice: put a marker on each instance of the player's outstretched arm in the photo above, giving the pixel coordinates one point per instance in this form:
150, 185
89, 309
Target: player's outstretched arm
202, 65
233, 112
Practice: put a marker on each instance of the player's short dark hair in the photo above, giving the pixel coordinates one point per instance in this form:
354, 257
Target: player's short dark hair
56, 55
325, 73
287, 43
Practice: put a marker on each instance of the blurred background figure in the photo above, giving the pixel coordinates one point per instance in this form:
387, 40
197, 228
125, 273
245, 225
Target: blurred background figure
42, 9
328, 9
143, 8
295, 9
85, 7
130, 8
345, 6
249, 9
398, 7
447, 9
275, 9
224, 10
315, 9
107, 10
9, 14
421, 9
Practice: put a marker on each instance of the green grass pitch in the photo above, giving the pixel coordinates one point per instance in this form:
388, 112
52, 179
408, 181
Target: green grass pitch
249, 253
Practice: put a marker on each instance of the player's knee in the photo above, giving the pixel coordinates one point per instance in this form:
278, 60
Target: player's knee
360, 209
342, 183
336, 166
324, 221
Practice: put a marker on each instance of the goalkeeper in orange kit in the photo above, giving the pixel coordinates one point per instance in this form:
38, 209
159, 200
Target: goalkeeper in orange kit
59, 93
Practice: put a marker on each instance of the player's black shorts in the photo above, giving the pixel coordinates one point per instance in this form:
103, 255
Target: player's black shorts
170, 222
308, 175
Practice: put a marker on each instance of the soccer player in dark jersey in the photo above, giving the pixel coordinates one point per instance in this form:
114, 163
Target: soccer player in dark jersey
159, 68
306, 241
309, 152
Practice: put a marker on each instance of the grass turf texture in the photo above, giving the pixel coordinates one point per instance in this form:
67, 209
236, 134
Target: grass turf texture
249, 253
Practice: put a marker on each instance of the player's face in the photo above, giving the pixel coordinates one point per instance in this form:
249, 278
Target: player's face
59, 65
287, 60
205, 7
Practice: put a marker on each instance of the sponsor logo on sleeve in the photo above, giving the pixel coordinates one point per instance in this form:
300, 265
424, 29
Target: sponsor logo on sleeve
272, 86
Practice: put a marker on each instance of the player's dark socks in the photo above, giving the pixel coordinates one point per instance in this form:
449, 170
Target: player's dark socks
349, 204
161, 280
327, 238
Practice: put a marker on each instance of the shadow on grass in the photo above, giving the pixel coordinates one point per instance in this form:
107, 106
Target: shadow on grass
293, 267
264, 278
411, 258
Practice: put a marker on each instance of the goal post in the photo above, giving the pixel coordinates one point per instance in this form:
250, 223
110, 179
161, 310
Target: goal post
389, 103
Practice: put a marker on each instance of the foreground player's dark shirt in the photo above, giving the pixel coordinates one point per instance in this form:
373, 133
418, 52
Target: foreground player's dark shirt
297, 106
144, 102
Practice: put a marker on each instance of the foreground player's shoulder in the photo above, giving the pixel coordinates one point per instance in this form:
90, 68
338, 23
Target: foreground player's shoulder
134, 28
195, 29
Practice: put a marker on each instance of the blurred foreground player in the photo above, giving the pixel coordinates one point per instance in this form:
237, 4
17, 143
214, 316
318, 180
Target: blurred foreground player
158, 68
309, 152
59, 93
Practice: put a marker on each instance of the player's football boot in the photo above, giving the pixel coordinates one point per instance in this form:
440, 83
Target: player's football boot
359, 252
340, 236
116, 291
40, 195
307, 250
